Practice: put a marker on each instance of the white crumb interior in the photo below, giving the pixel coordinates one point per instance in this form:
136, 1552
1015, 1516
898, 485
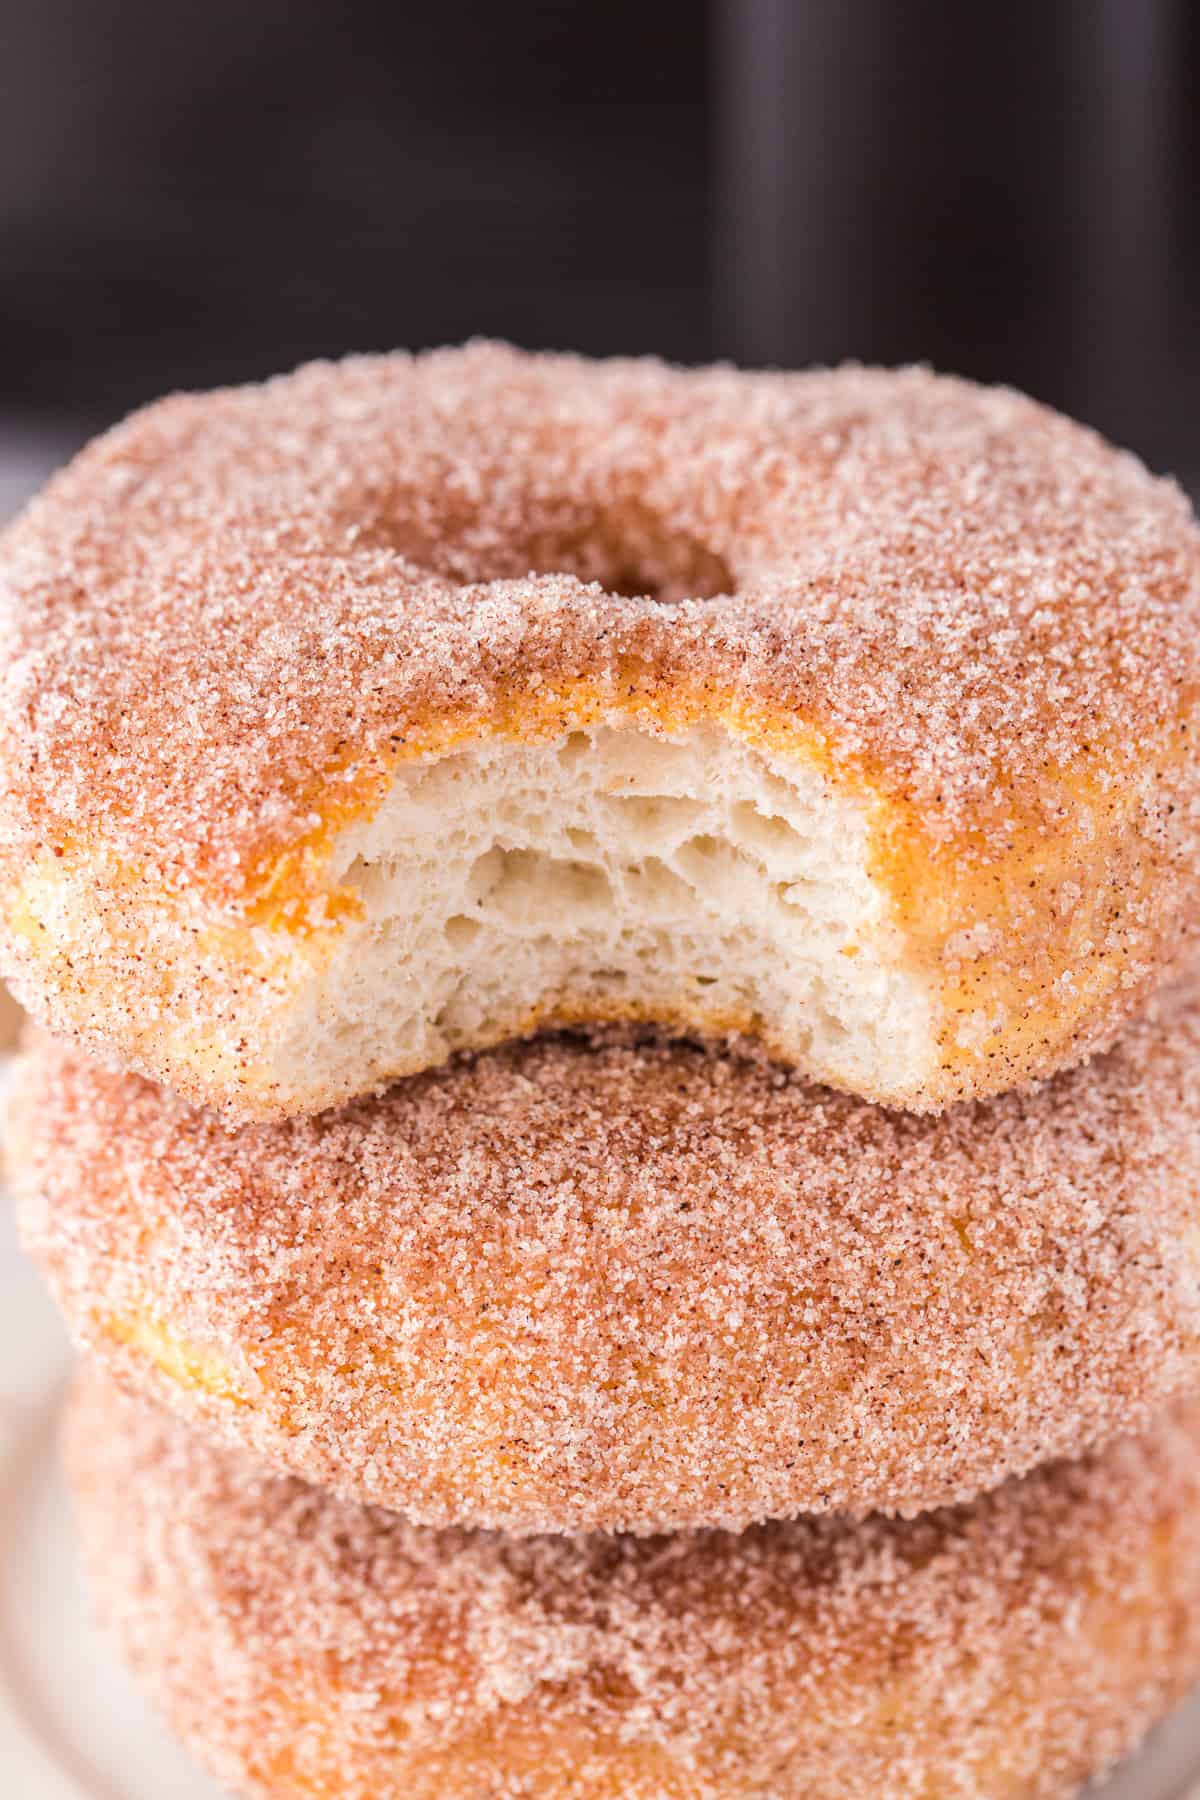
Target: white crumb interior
689, 877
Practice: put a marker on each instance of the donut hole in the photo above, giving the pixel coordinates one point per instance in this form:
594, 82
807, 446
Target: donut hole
626, 548
633, 554
689, 881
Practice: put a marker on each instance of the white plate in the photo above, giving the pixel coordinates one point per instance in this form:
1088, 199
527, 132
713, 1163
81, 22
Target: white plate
72, 1726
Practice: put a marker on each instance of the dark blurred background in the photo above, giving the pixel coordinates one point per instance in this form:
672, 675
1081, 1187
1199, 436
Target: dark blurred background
193, 193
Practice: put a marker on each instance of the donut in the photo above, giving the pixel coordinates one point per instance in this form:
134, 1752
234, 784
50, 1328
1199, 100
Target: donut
574, 1286
301, 1646
405, 705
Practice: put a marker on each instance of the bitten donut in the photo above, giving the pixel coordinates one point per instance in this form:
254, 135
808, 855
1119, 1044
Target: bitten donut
638, 1288
405, 705
302, 1647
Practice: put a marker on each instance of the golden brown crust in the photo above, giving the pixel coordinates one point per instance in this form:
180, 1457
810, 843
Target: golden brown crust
227, 620
308, 1650
630, 1286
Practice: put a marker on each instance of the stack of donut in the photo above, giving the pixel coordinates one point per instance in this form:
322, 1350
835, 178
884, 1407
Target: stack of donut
617, 1088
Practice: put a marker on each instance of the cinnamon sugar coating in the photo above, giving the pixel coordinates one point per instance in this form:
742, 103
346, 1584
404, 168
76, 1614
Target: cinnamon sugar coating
223, 625
635, 1287
217, 592
305, 1648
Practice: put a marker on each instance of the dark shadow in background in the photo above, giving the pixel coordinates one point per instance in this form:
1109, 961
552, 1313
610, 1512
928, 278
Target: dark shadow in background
192, 193
1009, 191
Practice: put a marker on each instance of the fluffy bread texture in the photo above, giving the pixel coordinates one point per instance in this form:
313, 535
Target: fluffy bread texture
636, 1287
407, 704
306, 1650
612, 874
